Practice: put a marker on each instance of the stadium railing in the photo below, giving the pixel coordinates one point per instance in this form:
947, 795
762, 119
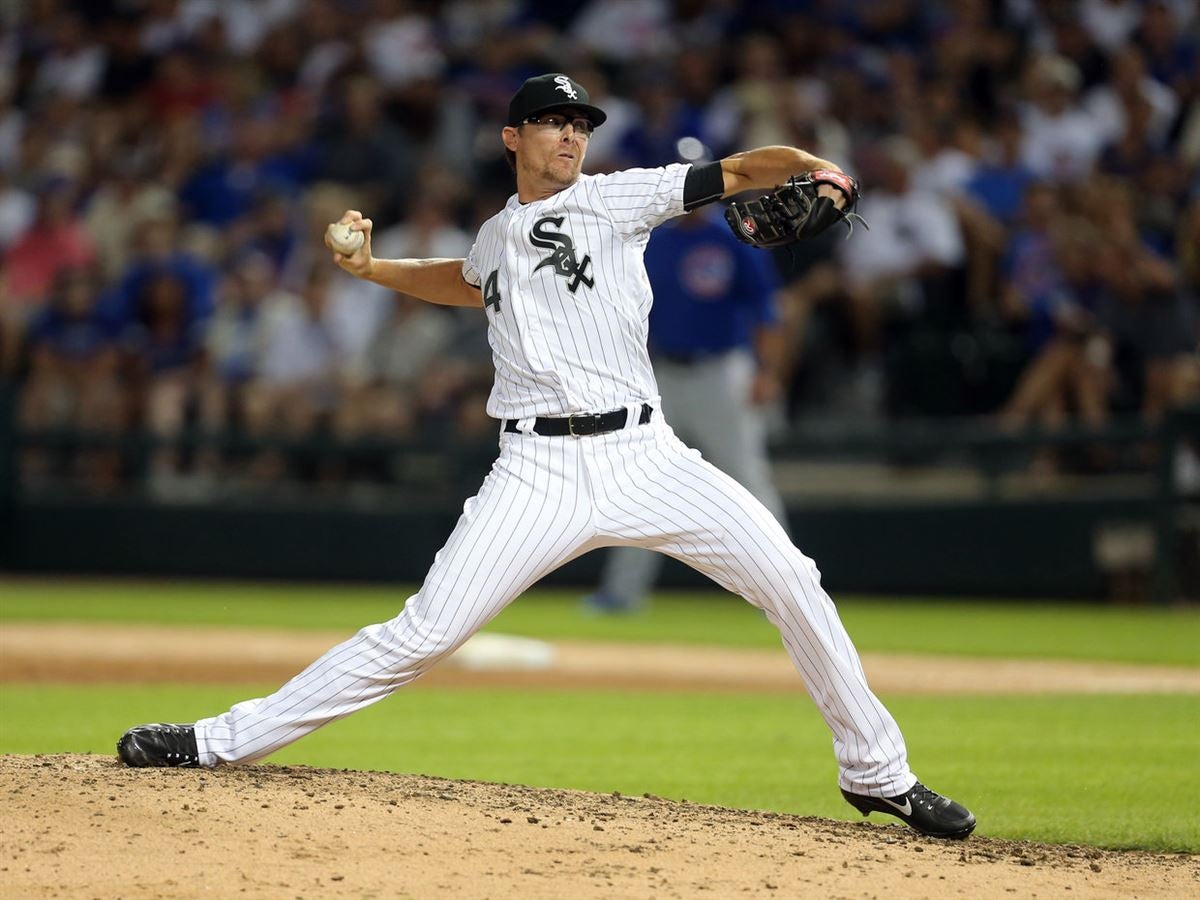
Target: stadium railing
1128, 458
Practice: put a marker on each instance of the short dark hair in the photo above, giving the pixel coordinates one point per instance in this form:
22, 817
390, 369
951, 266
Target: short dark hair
510, 157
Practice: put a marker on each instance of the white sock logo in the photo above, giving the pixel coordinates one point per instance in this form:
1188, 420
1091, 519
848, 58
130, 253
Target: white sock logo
563, 83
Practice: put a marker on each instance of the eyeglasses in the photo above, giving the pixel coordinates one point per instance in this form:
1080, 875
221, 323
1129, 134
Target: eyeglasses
558, 122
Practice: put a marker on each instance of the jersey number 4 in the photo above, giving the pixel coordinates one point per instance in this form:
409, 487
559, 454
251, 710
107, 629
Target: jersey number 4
491, 290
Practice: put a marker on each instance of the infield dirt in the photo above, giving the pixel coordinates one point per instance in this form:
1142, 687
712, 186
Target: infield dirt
99, 652
84, 826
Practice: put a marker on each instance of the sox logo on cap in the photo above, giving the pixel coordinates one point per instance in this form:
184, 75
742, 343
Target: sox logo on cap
564, 85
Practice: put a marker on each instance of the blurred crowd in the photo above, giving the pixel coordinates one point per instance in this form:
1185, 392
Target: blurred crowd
167, 167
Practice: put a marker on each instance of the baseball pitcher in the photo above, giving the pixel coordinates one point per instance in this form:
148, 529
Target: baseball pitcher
586, 459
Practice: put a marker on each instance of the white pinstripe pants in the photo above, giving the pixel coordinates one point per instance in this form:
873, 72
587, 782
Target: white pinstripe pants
546, 501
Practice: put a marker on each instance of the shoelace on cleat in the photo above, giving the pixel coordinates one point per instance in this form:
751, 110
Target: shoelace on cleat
924, 796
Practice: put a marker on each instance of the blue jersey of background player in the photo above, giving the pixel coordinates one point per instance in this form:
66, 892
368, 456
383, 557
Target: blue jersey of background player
711, 292
715, 341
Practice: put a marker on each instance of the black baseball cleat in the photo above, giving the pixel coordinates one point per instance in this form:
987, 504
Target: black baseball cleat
927, 811
159, 745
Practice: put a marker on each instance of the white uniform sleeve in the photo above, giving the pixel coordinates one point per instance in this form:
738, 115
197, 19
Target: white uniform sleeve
476, 260
641, 199
470, 269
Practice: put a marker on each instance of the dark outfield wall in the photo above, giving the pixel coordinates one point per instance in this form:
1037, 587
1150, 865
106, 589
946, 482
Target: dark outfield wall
1028, 548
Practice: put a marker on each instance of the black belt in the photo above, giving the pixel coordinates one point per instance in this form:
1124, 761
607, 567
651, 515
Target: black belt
581, 425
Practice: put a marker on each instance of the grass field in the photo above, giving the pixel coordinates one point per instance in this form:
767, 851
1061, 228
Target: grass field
1096, 769
964, 628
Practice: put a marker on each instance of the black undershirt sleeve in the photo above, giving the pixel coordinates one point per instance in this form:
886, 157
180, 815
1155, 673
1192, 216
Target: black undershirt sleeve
703, 184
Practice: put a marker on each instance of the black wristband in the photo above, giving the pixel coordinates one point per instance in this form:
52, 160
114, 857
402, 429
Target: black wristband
703, 184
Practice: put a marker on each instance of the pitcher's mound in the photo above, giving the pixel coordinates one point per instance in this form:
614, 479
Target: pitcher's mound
84, 826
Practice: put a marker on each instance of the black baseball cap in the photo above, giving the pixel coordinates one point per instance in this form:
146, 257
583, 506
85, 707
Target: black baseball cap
551, 91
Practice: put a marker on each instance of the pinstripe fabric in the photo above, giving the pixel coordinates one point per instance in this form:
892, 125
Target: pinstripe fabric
546, 501
706, 405
655, 492
527, 519
567, 325
556, 351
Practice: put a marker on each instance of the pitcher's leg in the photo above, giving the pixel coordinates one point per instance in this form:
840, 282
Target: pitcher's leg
713, 524
515, 530
629, 573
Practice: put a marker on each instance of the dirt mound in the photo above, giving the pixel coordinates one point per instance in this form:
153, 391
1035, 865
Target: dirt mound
77, 826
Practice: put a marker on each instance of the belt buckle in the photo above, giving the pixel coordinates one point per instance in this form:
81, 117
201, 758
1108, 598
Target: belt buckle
589, 428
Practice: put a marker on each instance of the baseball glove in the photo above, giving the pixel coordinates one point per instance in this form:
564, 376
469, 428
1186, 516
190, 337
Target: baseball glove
794, 211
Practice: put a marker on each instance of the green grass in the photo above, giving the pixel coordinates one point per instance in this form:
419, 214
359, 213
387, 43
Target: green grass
1087, 769
964, 627
1106, 771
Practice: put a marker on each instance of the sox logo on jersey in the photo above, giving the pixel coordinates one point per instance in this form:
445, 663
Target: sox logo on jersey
563, 257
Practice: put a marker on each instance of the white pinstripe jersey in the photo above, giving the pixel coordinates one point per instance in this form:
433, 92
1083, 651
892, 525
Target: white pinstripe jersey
566, 293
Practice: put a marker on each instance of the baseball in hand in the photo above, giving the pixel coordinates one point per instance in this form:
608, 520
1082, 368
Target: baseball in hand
344, 239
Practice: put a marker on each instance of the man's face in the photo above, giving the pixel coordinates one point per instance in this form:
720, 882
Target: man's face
549, 150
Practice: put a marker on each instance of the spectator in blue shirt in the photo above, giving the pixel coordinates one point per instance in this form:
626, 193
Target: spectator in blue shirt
73, 378
225, 190
165, 349
1001, 181
159, 253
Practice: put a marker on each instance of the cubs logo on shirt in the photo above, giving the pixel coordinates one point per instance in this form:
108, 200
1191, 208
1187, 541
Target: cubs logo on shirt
707, 271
